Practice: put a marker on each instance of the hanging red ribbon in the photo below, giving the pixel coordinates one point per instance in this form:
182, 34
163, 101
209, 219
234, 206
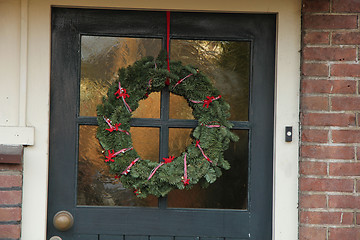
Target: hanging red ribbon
167, 82
185, 180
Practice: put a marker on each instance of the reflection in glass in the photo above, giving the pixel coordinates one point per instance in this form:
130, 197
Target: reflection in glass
95, 185
229, 191
146, 142
226, 63
179, 108
101, 57
179, 139
149, 107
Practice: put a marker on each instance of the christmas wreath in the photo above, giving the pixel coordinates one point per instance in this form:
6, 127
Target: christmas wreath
202, 160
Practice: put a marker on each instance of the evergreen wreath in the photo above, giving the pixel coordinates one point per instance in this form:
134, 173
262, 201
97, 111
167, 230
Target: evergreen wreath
200, 162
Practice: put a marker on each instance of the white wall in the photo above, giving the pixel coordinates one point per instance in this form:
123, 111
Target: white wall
28, 42
9, 62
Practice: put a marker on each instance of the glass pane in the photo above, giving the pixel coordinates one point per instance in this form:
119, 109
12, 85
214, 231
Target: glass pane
101, 57
226, 63
229, 191
179, 139
95, 185
146, 142
149, 107
179, 108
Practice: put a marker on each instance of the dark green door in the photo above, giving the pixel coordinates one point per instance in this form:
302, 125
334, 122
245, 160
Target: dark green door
236, 51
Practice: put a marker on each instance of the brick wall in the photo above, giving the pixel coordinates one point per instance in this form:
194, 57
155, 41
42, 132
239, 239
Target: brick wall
10, 200
329, 196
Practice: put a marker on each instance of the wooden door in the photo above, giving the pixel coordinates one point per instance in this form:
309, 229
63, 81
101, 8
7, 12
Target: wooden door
238, 207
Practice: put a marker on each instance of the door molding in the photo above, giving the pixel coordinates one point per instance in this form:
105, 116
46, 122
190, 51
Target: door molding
286, 104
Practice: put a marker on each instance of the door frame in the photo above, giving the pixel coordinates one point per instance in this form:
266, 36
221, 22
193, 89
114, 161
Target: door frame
286, 104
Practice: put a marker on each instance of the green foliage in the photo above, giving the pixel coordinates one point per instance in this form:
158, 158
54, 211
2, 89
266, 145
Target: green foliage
213, 140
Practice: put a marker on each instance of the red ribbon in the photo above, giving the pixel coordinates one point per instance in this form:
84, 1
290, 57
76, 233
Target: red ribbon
207, 101
182, 80
122, 94
114, 128
185, 180
212, 125
167, 82
202, 151
112, 154
166, 160
127, 170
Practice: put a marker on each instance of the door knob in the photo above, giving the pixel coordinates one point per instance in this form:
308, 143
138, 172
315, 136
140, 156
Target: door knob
63, 221
55, 238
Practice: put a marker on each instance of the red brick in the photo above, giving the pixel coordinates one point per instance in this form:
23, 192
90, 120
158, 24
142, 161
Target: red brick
10, 197
358, 218
312, 233
346, 136
11, 167
314, 103
315, 69
345, 103
316, 38
327, 152
7, 181
10, 231
358, 186
330, 22
344, 169
344, 233
346, 6
344, 201
329, 54
328, 119
314, 135
316, 6
328, 86
326, 217
326, 184
343, 38
10, 214
313, 168
345, 70
312, 201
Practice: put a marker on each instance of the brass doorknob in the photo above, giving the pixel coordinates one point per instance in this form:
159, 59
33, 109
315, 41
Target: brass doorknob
63, 221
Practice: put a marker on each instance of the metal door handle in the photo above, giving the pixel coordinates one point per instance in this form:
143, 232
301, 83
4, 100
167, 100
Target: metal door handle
63, 221
55, 238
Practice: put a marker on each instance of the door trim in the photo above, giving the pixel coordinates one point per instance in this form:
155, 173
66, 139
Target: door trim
286, 104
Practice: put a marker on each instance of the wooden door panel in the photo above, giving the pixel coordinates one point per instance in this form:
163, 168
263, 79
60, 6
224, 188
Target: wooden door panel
127, 223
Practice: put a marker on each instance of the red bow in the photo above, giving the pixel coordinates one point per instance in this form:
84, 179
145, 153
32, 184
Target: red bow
185, 181
169, 159
122, 93
116, 128
110, 155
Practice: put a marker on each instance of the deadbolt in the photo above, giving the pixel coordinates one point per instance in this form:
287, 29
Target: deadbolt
63, 221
